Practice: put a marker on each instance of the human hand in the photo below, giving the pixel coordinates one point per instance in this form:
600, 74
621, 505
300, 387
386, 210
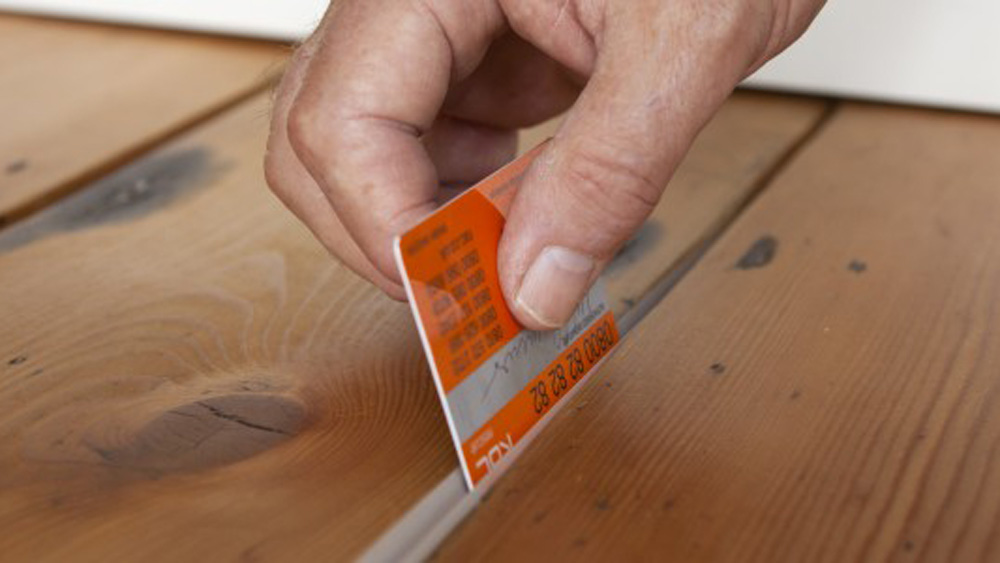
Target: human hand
394, 104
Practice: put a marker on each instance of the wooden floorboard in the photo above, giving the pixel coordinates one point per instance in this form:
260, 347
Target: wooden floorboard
823, 386
79, 98
185, 374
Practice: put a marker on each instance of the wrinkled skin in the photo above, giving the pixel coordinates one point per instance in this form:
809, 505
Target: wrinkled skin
392, 104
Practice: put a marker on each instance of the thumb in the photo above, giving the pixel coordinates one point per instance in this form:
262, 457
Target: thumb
598, 180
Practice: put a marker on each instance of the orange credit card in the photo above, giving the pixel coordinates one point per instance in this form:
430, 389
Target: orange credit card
496, 380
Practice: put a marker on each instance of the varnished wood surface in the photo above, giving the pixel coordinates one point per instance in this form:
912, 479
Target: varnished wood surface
185, 374
78, 99
823, 386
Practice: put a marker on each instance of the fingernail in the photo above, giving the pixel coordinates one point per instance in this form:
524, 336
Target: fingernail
554, 285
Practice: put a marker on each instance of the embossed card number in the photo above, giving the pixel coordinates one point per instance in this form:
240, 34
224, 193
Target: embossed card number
496, 380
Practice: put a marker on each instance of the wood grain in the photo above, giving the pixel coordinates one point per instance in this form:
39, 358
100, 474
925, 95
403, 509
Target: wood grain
823, 386
79, 98
185, 374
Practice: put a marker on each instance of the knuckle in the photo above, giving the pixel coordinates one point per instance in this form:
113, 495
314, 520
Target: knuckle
303, 134
272, 164
318, 136
315, 132
272, 169
610, 183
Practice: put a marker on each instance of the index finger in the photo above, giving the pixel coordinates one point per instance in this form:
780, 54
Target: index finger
374, 87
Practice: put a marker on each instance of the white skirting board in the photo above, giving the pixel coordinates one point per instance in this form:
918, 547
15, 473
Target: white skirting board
927, 52
943, 53
283, 20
